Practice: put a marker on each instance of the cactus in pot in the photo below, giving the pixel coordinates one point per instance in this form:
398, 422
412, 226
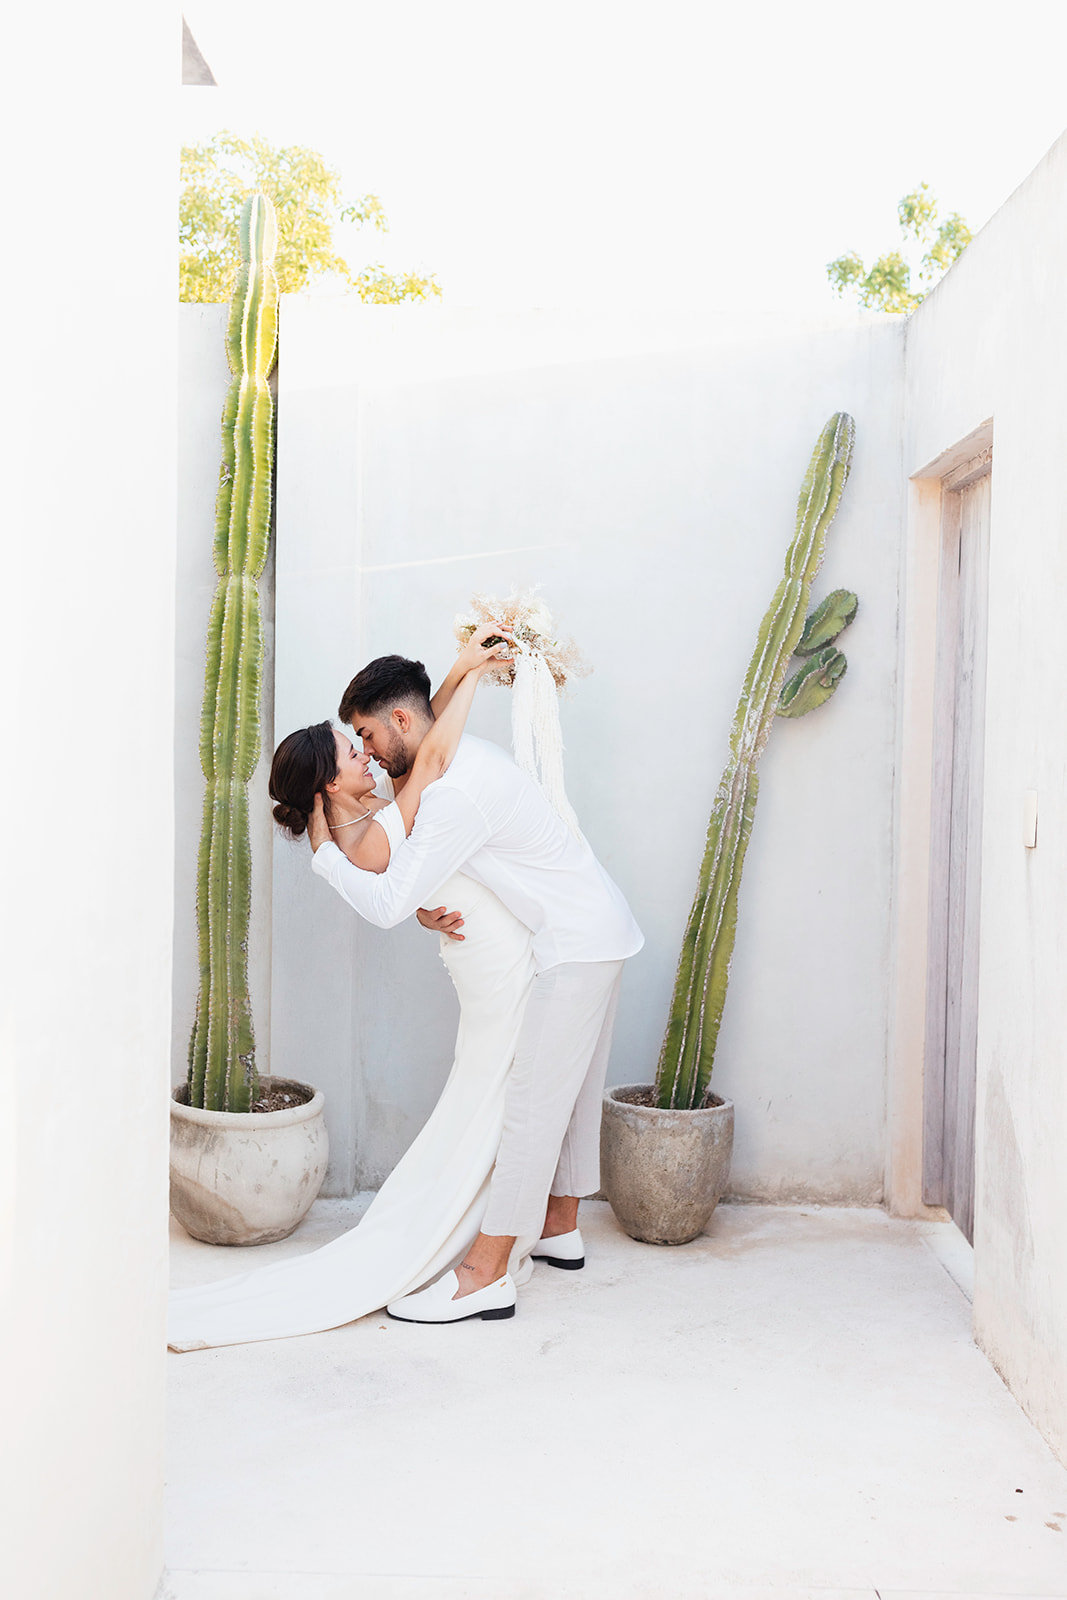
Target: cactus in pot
222, 1067
688, 1050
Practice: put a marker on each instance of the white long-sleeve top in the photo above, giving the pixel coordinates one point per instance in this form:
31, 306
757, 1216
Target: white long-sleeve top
491, 821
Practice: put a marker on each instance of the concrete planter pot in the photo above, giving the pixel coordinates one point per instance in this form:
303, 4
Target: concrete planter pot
664, 1172
246, 1177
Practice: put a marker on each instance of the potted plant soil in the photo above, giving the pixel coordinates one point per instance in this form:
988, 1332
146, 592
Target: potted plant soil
666, 1147
248, 1153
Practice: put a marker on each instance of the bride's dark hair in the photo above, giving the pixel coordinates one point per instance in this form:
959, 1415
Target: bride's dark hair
304, 763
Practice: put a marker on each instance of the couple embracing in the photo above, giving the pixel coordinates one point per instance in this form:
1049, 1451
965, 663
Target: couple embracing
534, 934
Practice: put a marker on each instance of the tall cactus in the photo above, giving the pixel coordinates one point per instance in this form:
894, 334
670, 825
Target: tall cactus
222, 1065
688, 1050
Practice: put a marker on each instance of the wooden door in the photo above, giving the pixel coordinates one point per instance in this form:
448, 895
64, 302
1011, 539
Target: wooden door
955, 878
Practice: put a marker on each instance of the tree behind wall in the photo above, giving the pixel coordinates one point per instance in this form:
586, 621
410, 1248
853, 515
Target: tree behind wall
887, 285
216, 179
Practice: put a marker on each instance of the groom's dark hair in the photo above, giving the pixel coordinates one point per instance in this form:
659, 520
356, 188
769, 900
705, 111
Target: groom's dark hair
387, 682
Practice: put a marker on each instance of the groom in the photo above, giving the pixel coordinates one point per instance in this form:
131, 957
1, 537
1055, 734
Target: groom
491, 820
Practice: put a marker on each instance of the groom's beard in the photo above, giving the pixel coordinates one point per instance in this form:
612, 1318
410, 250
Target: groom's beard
396, 760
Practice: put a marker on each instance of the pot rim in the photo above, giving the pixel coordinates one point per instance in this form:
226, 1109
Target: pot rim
265, 1121
611, 1098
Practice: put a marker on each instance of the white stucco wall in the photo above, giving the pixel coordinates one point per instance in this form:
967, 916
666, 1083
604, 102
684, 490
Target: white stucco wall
990, 342
86, 678
645, 471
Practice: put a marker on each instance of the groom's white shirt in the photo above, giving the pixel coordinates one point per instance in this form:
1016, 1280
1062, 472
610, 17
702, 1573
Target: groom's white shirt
489, 820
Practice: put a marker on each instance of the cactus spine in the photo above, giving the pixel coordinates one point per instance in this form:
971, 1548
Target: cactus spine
688, 1050
222, 1068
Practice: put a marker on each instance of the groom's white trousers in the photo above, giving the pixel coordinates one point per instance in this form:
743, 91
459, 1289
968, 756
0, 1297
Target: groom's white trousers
551, 1138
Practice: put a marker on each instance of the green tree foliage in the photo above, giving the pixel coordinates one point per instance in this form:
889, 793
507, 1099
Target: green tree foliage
216, 179
887, 285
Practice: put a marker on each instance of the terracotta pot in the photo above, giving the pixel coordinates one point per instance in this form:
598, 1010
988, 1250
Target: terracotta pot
664, 1172
246, 1177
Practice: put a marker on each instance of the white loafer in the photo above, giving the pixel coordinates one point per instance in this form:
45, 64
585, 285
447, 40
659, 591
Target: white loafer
435, 1304
566, 1250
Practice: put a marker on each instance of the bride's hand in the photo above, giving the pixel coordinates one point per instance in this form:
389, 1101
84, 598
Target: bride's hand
318, 827
496, 656
474, 654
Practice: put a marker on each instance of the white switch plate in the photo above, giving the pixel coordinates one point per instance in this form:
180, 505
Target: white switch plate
1030, 819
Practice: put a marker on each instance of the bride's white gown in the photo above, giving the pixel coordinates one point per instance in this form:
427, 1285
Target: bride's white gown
430, 1207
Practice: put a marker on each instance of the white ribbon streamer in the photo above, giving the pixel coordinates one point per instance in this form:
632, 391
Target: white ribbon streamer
536, 736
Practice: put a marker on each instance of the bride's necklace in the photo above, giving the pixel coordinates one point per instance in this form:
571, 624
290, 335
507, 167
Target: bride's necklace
335, 827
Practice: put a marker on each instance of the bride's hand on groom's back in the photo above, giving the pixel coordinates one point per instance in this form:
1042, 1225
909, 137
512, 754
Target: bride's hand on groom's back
442, 921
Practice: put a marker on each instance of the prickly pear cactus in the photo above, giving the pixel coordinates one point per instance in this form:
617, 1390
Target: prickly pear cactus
222, 1066
688, 1050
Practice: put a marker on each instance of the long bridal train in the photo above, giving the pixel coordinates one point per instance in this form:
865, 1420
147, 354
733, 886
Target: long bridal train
430, 1208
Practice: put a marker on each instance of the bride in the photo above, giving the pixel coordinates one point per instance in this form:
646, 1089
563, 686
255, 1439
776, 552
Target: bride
429, 1210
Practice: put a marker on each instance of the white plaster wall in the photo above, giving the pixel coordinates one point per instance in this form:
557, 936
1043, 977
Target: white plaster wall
86, 678
990, 342
644, 471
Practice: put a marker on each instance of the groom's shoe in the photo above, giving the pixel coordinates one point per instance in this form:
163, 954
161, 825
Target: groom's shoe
436, 1304
566, 1250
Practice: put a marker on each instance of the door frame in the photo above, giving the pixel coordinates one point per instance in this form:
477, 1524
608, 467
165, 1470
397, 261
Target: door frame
957, 806
915, 801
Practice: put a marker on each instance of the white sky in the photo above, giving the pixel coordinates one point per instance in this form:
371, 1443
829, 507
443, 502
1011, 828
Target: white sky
676, 153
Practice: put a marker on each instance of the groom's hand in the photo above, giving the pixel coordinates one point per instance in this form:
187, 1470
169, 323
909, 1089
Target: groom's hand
442, 921
318, 827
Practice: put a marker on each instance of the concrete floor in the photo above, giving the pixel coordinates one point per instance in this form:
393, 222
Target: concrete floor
790, 1407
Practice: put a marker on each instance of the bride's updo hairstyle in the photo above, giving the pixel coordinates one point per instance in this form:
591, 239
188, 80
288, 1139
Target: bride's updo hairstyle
304, 763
